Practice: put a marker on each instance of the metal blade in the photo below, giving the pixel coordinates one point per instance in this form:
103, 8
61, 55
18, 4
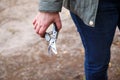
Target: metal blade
52, 47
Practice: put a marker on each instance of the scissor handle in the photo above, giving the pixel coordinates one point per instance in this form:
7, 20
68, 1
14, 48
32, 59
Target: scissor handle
54, 24
55, 30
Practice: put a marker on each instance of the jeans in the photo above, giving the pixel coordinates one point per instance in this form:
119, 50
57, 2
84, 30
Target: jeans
97, 40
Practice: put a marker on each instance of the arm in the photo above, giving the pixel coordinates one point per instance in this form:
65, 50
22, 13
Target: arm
48, 14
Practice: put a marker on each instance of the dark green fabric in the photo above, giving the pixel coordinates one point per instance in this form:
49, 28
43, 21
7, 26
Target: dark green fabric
85, 9
50, 5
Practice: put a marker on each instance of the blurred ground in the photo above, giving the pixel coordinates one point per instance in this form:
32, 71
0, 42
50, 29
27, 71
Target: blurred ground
23, 54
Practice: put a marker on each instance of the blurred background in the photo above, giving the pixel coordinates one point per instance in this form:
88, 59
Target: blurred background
24, 56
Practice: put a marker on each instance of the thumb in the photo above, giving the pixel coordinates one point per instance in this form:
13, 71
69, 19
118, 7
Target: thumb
58, 24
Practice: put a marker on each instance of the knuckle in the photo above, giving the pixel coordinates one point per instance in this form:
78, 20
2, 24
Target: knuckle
34, 27
40, 33
37, 32
33, 22
45, 25
59, 27
41, 36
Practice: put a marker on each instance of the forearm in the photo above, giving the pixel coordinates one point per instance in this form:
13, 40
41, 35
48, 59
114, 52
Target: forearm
50, 5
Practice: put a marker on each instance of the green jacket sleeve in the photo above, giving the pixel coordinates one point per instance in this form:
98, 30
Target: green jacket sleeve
50, 5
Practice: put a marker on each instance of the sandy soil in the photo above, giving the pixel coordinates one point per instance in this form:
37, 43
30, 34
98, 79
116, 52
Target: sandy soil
23, 54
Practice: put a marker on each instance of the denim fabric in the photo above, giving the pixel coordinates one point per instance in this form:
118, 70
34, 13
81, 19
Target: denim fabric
97, 40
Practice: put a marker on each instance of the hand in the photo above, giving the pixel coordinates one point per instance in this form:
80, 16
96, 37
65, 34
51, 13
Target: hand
43, 20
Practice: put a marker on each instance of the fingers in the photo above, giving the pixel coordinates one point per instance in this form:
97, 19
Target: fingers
34, 21
43, 29
37, 28
35, 25
43, 20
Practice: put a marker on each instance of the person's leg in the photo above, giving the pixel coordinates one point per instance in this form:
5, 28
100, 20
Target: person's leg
97, 41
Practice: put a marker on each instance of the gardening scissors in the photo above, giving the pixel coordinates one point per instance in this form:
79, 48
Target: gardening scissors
51, 37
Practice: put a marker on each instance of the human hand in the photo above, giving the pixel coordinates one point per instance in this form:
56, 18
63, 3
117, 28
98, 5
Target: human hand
43, 20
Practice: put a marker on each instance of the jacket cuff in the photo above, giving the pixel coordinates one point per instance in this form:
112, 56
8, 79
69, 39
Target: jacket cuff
50, 6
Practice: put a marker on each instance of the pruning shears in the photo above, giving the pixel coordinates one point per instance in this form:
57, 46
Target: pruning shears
51, 37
